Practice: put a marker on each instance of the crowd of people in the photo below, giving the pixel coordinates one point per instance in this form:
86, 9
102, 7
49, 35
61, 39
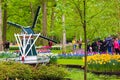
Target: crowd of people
109, 45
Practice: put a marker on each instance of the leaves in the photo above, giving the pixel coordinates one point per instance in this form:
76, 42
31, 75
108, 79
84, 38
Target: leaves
102, 17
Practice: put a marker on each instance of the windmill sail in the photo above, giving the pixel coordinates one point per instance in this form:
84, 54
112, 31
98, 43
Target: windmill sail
48, 39
36, 16
17, 26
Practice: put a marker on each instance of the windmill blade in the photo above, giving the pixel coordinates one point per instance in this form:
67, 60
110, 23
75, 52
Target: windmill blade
36, 16
17, 26
48, 39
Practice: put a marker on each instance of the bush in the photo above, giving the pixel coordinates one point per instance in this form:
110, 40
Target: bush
14, 48
53, 59
51, 72
13, 70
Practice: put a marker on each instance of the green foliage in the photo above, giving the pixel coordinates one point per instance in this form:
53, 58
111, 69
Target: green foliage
102, 17
14, 48
53, 59
8, 55
51, 72
13, 70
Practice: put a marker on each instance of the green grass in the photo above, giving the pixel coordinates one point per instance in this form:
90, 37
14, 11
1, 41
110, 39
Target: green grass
70, 61
78, 74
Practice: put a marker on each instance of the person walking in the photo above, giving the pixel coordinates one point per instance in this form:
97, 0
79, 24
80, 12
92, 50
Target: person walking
109, 44
74, 44
116, 46
79, 44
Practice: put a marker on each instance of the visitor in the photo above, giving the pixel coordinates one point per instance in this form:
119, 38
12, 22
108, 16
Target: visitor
109, 44
6, 45
79, 43
116, 46
94, 47
103, 48
74, 44
50, 44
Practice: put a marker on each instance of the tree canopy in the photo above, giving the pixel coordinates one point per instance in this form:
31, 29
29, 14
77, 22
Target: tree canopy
103, 17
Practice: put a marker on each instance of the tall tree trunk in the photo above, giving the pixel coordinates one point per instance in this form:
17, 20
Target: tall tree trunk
4, 22
118, 13
44, 20
85, 40
1, 46
52, 20
64, 35
32, 12
64, 31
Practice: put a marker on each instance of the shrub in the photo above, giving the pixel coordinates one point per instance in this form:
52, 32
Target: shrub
13, 70
14, 48
53, 59
51, 72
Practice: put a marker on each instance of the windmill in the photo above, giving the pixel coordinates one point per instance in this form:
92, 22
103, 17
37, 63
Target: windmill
27, 38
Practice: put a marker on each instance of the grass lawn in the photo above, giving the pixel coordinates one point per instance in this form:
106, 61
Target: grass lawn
78, 74
70, 61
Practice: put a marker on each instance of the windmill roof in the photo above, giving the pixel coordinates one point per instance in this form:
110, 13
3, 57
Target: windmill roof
29, 30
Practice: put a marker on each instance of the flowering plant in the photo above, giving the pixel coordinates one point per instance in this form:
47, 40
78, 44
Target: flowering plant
51, 56
104, 62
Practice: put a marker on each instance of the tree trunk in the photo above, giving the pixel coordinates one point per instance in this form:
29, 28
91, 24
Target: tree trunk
118, 13
52, 21
1, 46
5, 22
32, 12
85, 40
44, 20
64, 35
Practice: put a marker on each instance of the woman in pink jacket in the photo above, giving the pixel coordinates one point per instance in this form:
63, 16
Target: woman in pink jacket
116, 46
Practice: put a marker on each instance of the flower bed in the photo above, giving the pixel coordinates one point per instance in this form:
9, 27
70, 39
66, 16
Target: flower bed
51, 56
72, 55
8, 55
104, 63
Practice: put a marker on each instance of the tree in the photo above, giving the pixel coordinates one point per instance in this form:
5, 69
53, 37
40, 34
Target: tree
1, 46
85, 39
52, 18
44, 19
82, 16
102, 17
4, 21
